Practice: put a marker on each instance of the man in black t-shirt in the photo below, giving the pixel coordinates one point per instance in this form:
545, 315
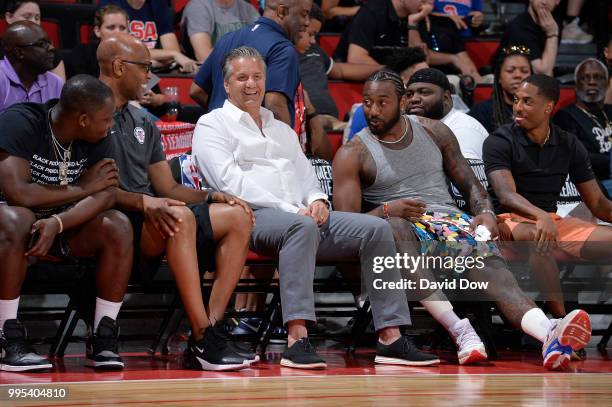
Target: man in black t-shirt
537, 29
589, 118
379, 23
171, 218
58, 181
527, 163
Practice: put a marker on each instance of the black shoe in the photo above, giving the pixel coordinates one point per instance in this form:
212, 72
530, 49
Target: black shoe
16, 354
403, 352
101, 348
302, 355
247, 355
213, 352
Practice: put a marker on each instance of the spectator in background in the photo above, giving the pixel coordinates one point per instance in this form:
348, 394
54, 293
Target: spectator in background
428, 94
572, 33
589, 118
25, 70
463, 13
511, 68
18, 10
204, 22
109, 20
338, 13
537, 29
446, 49
272, 36
316, 66
151, 22
379, 23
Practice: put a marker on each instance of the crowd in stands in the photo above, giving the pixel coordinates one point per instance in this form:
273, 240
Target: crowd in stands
83, 173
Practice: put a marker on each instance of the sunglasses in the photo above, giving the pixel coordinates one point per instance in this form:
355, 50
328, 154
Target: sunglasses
147, 65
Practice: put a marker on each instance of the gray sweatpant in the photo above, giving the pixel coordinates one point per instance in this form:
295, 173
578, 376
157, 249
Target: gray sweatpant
299, 242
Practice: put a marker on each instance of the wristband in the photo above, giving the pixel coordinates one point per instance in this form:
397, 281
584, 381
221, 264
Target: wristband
209, 198
386, 210
552, 36
59, 220
413, 27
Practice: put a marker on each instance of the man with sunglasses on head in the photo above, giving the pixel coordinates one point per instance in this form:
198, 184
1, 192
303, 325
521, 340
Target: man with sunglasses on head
25, 70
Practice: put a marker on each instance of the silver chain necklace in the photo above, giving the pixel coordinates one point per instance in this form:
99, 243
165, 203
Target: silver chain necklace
399, 139
62, 152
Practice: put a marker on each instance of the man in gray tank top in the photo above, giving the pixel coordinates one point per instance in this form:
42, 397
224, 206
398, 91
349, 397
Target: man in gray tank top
397, 168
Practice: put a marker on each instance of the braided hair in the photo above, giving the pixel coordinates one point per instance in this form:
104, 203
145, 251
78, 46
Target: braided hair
387, 75
500, 113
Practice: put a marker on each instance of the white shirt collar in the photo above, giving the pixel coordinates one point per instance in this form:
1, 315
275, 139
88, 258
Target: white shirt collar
235, 113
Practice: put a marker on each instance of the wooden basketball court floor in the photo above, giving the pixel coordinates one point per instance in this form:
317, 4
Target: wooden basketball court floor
517, 378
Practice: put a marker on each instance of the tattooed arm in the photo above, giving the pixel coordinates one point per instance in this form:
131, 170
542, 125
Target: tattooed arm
459, 172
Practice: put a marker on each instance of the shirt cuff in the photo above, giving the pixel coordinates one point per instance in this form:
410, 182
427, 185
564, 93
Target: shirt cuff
316, 196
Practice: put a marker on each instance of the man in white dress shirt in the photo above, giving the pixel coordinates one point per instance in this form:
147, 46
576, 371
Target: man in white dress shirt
429, 95
241, 149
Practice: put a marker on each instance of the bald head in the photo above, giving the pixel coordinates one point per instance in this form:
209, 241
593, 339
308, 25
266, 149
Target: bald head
21, 33
125, 66
119, 46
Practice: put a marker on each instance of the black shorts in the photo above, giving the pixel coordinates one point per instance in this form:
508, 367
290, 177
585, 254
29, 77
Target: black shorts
144, 269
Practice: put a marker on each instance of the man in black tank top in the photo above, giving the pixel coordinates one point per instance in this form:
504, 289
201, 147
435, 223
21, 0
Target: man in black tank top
355, 170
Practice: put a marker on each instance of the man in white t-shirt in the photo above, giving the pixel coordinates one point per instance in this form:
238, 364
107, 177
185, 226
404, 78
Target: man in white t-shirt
429, 95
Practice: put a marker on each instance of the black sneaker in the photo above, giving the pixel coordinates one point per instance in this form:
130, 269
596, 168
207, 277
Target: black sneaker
213, 352
403, 352
247, 355
16, 354
302, 355
101, 348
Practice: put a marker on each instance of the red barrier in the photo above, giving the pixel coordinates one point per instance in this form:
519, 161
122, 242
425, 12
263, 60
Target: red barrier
176, 137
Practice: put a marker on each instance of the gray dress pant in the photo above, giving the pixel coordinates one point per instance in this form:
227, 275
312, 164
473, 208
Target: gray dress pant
299, 243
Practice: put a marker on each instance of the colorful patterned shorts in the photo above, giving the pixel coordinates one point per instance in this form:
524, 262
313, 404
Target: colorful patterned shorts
449, 234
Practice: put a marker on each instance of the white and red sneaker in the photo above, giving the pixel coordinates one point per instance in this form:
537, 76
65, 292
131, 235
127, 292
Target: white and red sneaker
470, 348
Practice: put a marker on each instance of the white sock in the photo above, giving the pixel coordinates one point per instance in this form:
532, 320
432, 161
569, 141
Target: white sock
105, 309
441, 310
8, 310
536, 324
